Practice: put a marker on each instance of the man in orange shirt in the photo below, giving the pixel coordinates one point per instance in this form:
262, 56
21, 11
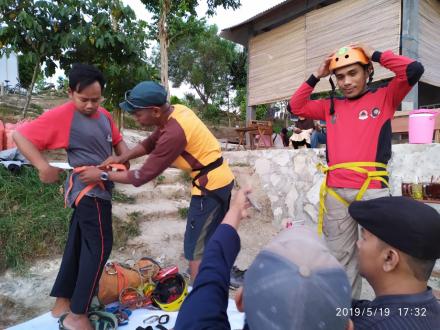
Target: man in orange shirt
182, 140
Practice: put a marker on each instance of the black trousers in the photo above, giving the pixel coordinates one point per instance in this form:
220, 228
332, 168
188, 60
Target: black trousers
88, 247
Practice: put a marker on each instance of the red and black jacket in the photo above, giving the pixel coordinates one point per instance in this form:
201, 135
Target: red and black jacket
360, 129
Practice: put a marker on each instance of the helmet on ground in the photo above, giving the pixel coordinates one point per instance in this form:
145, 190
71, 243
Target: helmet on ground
347, 56
170, 292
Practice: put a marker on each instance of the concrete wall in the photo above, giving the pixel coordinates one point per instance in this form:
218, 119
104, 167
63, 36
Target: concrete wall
291, 181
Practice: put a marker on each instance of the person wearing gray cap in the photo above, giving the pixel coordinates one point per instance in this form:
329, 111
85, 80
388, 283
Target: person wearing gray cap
293, 283
180, 140
398, 248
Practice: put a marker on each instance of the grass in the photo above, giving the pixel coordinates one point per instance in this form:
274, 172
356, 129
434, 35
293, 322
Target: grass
123, 230
160, 179
183, 212
185, 177
33, 220
122, 198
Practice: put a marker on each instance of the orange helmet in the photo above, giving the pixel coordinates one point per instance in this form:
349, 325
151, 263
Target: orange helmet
346, 56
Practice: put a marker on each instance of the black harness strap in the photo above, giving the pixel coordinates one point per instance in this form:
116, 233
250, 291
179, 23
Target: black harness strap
204, 171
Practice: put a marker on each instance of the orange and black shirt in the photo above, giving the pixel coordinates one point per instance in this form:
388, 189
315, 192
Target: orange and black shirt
186, 143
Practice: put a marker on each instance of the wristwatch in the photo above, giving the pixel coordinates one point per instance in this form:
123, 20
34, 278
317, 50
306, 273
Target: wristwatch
104, 176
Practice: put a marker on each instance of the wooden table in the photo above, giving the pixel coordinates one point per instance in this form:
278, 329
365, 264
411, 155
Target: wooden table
242, 135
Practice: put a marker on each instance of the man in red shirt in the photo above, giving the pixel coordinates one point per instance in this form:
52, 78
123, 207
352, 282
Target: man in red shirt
88, 134
358, 138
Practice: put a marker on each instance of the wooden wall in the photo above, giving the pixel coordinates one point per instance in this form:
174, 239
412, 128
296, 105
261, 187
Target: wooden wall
429, 40
281, 59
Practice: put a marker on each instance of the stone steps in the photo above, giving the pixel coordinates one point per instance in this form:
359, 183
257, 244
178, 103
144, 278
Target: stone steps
149, 192
156, 209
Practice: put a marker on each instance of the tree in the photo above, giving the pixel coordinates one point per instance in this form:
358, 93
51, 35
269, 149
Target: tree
116, 43
33, 29
104, 33
25, 70
202, 59
167, 13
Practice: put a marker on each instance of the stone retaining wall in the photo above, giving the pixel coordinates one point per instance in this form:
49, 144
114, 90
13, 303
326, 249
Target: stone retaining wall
291, 180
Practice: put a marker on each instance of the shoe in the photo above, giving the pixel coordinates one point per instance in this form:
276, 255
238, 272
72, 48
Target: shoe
237, 278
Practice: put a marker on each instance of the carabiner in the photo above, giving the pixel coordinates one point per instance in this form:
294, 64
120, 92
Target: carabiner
164, 319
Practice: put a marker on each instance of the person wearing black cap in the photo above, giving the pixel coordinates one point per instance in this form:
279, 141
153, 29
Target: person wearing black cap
398, 248
181, 140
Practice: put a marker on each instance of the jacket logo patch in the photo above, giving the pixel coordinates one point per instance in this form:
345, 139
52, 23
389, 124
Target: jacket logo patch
375, 112
109, 138
363, 115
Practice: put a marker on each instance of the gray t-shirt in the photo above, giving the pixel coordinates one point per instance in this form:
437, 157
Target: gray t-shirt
90, 143
88, 140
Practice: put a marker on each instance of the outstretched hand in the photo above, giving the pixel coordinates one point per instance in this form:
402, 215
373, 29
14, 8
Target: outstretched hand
114, 160
90, 175
238, 208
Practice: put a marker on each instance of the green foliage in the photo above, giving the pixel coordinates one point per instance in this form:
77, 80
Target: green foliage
261, 111
192, 102
26, 66
183, 212
167, 16
240, 102
33, 220
177, 9
238, 69
115, 42
125, 229
130, 122
120, 197
175, 100
160, 179
212, 114
103, 33
62, 84
185, 176
202, 59
37, 108
40, 82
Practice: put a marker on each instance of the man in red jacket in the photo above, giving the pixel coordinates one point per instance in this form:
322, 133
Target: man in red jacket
358, 138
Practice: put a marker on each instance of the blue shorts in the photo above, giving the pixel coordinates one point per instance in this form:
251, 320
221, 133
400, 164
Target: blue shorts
204, 215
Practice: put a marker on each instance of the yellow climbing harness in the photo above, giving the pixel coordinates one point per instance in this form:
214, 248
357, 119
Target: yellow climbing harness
353, 166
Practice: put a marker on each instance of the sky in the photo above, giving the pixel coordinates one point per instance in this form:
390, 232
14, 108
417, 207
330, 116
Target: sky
223, 19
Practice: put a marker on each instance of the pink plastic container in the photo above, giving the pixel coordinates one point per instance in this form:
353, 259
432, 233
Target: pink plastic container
421, 125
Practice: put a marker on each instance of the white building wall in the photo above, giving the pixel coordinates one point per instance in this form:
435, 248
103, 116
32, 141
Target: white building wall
9, 69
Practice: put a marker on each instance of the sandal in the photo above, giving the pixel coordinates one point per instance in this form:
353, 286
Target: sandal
61, 321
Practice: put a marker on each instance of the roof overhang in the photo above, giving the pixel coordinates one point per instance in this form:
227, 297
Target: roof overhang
271, 18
